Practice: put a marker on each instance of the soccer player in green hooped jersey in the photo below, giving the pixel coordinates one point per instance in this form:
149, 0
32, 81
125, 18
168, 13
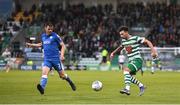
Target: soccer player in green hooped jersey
131, 45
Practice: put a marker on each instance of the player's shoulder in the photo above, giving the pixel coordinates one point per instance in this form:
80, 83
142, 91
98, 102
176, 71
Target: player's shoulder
135, 37
43, 34
55, 34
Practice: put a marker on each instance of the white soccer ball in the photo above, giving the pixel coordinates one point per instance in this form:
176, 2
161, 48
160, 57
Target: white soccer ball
97, 85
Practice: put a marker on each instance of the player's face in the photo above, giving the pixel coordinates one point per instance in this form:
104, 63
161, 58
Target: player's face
123, 34
49, 29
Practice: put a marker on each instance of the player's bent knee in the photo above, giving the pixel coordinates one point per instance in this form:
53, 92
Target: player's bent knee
44, 76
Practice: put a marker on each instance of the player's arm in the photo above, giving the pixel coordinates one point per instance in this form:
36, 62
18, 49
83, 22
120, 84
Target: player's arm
116, 50
34, 44
63, 48
153, 51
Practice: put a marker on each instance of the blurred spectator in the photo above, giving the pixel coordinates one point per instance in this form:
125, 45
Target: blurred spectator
7, 57
121, 60
87, 29
104, 54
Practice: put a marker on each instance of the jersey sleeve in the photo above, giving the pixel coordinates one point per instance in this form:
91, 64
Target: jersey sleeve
41, 39
140, 39
58, 38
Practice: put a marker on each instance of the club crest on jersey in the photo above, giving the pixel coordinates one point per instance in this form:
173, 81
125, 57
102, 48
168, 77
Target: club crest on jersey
128, 49
51, 37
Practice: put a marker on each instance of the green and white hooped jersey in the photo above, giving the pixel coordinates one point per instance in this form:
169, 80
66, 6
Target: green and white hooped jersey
132, 45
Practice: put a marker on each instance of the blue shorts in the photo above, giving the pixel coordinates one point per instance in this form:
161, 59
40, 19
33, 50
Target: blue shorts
57, 65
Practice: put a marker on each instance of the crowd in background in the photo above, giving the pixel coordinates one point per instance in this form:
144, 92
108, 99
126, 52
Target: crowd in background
87, 30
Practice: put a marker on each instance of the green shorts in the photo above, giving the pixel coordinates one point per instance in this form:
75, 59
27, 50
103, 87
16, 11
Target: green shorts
135, 65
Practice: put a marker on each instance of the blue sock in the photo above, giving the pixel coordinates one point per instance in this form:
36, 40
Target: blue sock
43, 81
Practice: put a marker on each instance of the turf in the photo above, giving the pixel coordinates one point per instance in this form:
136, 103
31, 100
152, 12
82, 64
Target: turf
19, 87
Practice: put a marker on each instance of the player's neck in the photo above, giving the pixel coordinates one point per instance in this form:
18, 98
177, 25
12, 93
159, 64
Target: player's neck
128, 36
48, 33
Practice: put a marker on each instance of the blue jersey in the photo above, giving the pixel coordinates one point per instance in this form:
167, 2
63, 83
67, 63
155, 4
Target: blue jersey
51, 45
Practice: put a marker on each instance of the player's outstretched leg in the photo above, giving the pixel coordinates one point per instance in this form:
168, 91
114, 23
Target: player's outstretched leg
67, 78
71, 83
142, 89
139, 84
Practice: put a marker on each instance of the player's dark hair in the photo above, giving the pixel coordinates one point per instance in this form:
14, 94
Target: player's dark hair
48, 24
123, 28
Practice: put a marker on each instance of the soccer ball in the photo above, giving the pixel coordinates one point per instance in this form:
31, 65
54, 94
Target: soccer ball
97, 85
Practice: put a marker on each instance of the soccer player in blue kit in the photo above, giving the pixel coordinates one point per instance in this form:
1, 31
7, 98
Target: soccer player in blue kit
52, 56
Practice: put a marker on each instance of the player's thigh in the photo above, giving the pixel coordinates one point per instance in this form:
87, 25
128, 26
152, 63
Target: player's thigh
47, 66
58, 66
45, 70
135, 65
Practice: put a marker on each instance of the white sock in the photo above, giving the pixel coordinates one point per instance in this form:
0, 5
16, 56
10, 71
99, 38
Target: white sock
127, 87
140, 84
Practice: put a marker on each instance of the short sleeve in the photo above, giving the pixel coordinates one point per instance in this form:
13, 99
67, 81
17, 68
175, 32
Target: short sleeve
58, 38
140, 39
41, 39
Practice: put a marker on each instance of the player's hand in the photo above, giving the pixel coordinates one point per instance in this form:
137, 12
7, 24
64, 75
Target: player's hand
111, 55
154, 54
62, 58
28, 44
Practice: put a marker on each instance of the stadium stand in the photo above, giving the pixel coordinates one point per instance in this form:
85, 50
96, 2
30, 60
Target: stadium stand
87, 29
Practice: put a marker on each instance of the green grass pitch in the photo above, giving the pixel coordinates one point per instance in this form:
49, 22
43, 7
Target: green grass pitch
19, 87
